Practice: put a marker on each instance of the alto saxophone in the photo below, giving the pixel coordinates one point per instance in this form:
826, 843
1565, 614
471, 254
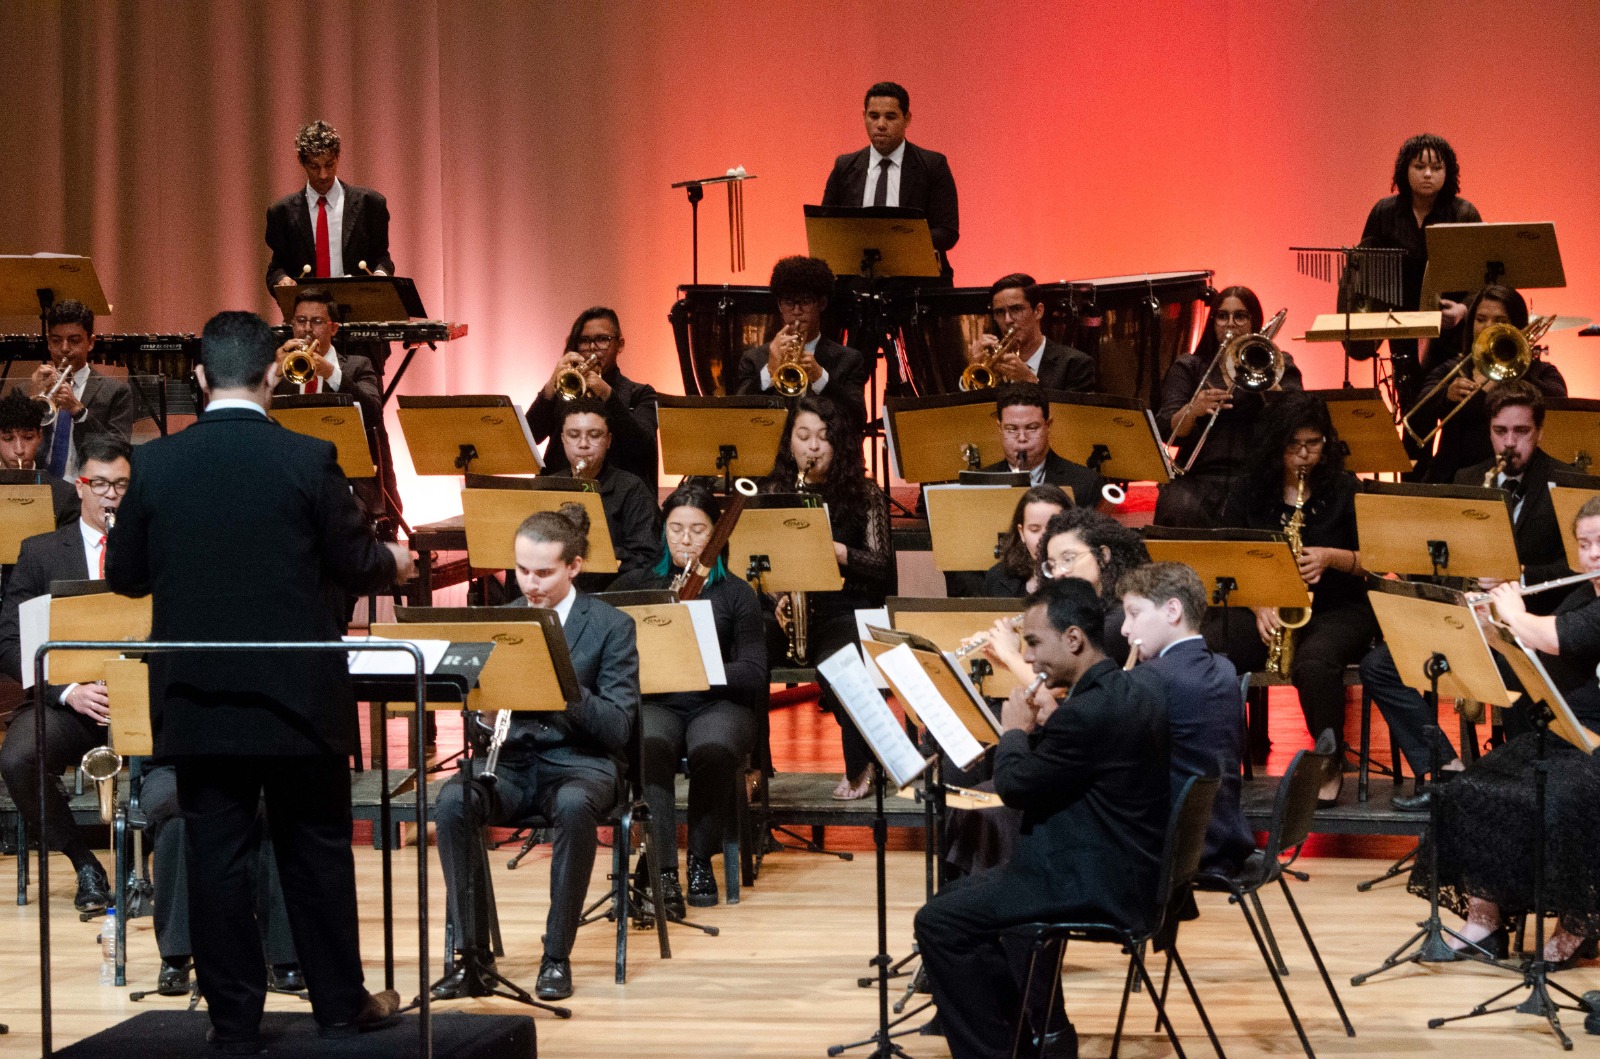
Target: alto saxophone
1280, 651
799, 607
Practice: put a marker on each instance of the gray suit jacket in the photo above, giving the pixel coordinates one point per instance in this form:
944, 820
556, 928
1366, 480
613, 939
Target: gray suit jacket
108, 410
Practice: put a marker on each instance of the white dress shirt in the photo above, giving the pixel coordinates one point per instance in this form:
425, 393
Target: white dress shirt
869, 194
564, 608
92, 550
331, 383
335, 225
235, 402
1034, 361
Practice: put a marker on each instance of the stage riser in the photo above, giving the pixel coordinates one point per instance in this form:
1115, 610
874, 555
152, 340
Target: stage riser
182, 1035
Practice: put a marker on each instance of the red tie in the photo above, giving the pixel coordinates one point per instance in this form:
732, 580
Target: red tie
324, 259
312, 385
102, 556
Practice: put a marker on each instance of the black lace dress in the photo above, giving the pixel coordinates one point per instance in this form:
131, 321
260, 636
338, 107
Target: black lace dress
1487, 816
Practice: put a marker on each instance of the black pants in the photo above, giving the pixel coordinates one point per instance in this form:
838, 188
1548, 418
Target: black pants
831, 631
1332, 640
308, 815
167, 835
717, 736
67, 736
575, 798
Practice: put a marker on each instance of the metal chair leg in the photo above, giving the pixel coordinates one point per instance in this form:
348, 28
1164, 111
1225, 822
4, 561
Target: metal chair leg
1272, 939
1277, 980
1161, 1009
620, 838
1316, 957
1194, 997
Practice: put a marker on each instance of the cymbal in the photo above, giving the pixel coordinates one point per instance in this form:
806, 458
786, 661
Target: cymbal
1567, 323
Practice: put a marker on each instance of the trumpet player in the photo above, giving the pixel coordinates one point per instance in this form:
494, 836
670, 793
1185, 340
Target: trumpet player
592, 348
802, 286
20, 436
632, 514
564, 764
74, 717
1020, 352
84, 404
1464, 440
314, 319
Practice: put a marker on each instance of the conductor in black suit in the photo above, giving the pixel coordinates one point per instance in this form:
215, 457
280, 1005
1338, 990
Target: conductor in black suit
565, 764
801, 286
895, 172
75, 715
1017, 305
1090, 777
236, 487
1023, 411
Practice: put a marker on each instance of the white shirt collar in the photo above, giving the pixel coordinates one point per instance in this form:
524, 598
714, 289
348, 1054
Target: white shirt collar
1175, 643
335, 194
896, 156
91, 537
234, 402
565, 606
1038, 356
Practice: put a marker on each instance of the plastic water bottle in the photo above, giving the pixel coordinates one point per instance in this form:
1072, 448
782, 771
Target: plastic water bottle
108, 947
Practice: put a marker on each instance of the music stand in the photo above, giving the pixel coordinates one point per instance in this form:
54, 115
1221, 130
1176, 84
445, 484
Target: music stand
673, 649
333, 417
1414, 530
966, 520
1464, 257
1572, 431
1242, 568
875, 242
935, 693
930, 438
27, 508
946, 622
1567, 500
492, 509
1366, 426
486, 433
720, 437
89, 610
1372, 327
1115, 437
785, 544
31, 283
360, 299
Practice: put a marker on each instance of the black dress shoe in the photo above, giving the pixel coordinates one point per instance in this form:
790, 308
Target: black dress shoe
555, 979
1494, 946
286, 978
94, 889
379, 1010
672, 894
229, 1044
459, 983
1419, 802
174, 980
702, 882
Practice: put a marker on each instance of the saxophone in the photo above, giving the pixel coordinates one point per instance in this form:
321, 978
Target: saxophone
799, 608
1280, 651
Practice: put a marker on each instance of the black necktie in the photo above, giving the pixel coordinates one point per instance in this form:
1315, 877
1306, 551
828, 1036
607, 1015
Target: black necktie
1513, 486
880, 197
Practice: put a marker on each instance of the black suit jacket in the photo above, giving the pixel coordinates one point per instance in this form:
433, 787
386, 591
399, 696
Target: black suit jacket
593, 732
54, 556
1064, 368
1058, 470
926, 184
1538, 534
364, 234
631, 413
359, 379
1092, 785
847, 373
1204, 705
241, 530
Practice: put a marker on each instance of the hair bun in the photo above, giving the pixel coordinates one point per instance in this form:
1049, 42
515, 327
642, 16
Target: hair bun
576, 514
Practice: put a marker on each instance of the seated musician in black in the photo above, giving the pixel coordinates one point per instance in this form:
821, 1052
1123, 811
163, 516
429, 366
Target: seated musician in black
1296, 443
1516, 422
1016, 573
1198, 498
1487, 816
565, 764
630, 406
1464, 440
802, 286
632, 516
1023, 413
715, 729
1017, 304
1090, 776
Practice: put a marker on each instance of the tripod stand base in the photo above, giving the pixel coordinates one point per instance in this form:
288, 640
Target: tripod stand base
481, 981
1539, 1002
1433, 948
1395, 870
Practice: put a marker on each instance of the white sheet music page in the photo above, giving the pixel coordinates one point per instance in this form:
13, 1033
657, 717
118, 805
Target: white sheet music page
33, 626
879, 726
705, 634
916, 688
393, 663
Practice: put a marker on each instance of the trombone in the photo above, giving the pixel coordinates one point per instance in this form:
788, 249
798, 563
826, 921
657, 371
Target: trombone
1251, 362
570, 382
984, 373
1500, 353
791, 379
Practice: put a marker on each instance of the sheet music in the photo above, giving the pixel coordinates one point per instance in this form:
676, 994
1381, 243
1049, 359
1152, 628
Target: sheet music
847, 675
905, 673
33, 623
880, 618
393, 663
705, 634
527, 432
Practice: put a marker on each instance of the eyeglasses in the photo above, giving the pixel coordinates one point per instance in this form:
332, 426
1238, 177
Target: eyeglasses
597, 341
105, 486
1005, 312
596, 435
1313, 445
797, 304
1240, 317
1061, 565
1025, 430
310, 321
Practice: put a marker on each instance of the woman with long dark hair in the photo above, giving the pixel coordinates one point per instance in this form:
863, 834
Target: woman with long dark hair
1017, 571
823, 446
1297, 464
1197, 498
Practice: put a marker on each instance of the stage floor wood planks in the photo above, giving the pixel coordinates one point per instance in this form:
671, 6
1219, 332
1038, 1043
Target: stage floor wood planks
780, 980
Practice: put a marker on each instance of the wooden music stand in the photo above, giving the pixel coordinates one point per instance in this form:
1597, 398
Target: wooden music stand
360, 299
128, 699
673, 647
333, 417
492, 509
89, 610
929, 437
1572, 432
1567, 500
1421, 620
966, 520
946, 622
529, 670
1372, 327
31, 283
720, 437
1241, 568
1415, 530
1114, 436
781, 546
486, 433
1366, 426
27, 509
872, 241
1464, 257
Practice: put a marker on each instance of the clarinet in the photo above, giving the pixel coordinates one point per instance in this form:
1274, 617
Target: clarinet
502, 728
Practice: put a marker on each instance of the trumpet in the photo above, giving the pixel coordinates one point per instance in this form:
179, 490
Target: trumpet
1251, 362
977, 643
570, 382
1499, 353
299, 365
791, 379
983, 373
63, 378
102, 764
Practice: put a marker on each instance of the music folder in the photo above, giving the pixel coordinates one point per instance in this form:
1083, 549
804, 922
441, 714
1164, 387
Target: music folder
1256, 566
493, 507
880, 240
966, 521
678, 648
1366, 426
27, 509
78, 610
707, 436
1464, 257
1408, 528
935, 693
529, 668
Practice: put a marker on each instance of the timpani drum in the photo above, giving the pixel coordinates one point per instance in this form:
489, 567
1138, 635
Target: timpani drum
1133, 326
713, 326
938, 326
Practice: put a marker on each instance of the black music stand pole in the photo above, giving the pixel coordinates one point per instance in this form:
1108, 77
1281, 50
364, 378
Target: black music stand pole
696, 192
